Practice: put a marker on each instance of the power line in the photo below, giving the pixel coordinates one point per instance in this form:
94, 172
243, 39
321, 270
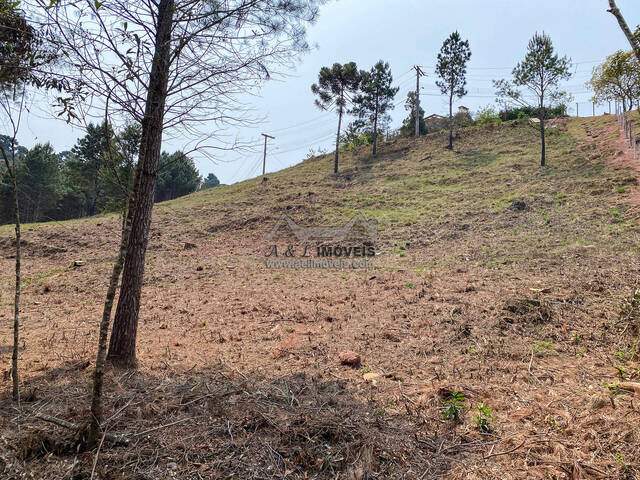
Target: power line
300, 124
306, 144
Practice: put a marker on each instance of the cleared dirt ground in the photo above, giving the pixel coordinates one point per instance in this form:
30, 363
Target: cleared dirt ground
523, 307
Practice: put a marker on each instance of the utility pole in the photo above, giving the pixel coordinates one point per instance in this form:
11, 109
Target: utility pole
593, 109
577, 110
419, 73
264, 159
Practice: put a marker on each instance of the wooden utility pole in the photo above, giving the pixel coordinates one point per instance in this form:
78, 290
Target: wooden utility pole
419, 73
577, 110
264, 159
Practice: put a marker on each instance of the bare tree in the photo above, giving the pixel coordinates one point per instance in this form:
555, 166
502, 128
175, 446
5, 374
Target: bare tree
169, 64
12, 107
22, 53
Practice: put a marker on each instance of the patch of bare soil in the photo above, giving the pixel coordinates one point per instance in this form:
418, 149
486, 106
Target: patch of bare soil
610, 138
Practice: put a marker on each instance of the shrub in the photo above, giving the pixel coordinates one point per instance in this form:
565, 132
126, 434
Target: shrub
487, 115
522, 112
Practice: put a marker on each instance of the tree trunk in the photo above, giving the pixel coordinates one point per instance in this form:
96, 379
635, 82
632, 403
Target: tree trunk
16, 303
543, 114
11, 169
543, 152
98, 374
122, 346
375, 129
450, 147
335, 161
615, 11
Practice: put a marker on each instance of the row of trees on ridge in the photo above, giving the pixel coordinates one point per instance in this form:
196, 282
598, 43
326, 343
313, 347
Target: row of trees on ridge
80, 182
369, 94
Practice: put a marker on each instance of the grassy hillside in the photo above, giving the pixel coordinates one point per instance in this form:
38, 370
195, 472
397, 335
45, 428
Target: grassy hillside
495, 278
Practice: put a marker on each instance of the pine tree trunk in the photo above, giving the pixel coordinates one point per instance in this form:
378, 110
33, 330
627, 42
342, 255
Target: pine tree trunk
98, 374
450, 147
543, 114
375, 127
11, 169
122, 346
543, 152
335, 161
375, 133
16, 303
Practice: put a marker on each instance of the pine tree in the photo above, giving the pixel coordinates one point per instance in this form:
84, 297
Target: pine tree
86, 166
376, 98
452, 70
177, 176
540, 72
334, 89
210, 182
38, 174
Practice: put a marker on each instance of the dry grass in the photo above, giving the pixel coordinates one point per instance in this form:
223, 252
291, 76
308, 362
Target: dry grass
517, 309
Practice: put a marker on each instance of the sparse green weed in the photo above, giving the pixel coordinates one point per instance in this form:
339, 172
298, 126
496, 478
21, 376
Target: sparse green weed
454, 406
483, 417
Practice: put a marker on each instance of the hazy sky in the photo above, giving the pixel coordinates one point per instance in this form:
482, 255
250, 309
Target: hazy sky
404, 33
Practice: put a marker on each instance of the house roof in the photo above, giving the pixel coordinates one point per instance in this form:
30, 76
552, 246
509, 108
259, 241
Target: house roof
433, 116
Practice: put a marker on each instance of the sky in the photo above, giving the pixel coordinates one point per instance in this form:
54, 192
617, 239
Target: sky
404, 33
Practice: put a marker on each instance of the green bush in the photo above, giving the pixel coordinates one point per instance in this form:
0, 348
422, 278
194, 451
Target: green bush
487, 115
522, 112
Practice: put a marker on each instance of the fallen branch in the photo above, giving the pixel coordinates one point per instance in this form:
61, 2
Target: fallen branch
505, 452
162, 426
117, 439
630, 387
95, 459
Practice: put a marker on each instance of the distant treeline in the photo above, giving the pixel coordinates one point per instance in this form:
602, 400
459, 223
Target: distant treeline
92, 178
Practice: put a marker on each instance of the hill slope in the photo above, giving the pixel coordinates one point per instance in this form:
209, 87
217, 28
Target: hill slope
495, 278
